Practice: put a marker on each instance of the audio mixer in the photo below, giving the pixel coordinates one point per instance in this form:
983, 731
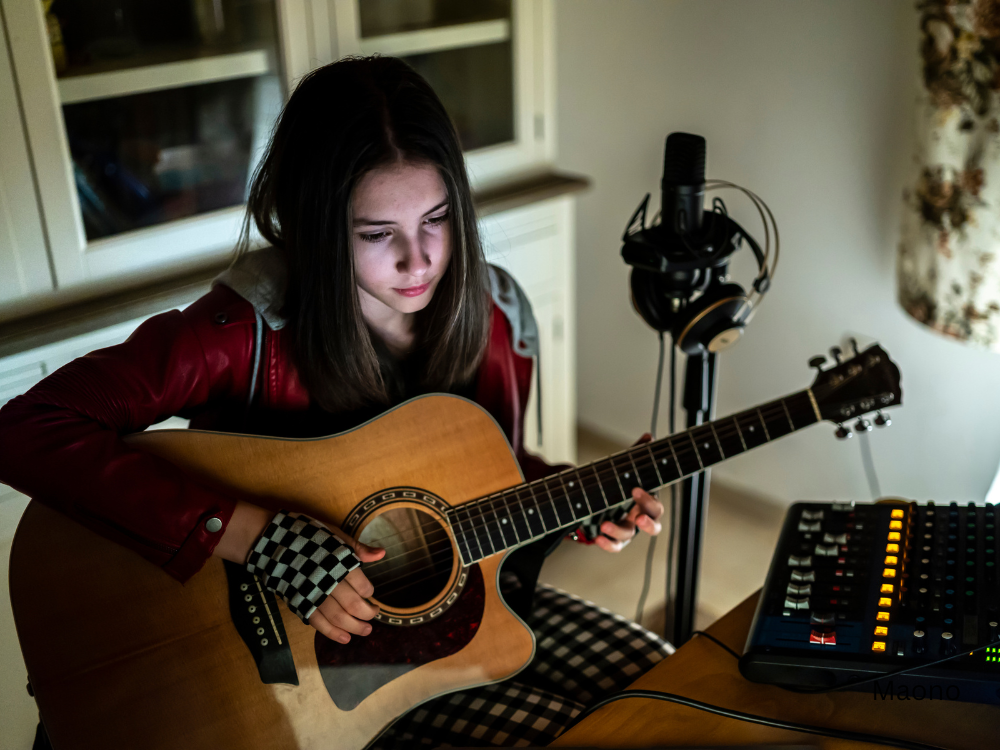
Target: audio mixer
861, 591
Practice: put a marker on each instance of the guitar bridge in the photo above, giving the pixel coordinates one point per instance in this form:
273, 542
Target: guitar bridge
255, 614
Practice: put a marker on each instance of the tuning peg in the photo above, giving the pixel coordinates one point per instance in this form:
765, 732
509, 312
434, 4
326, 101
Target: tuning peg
882, 420
842, 433
863, 425
818, 361
854, 345
835, 353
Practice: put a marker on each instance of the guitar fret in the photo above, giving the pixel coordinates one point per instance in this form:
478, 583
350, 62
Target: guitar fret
483, 527
652, 457
569, 501
696, 453
461, 535
762, 424
740, 433
534, 515
787, 414
716, 435
614, 470
583, 492
600, 486
520, 520
498, 528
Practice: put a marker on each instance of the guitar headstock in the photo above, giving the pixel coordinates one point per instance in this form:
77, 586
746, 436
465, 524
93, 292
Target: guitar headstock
867, 382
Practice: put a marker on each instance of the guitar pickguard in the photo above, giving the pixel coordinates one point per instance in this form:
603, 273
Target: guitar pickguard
353, 671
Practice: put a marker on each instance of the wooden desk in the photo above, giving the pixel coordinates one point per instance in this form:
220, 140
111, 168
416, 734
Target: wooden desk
703, 671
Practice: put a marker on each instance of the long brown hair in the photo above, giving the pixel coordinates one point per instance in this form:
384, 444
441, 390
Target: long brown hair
342, 121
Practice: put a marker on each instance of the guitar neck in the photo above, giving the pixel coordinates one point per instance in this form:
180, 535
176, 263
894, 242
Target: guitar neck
524, 513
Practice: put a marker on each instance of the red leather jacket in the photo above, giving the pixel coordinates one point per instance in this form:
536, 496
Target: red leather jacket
61, 444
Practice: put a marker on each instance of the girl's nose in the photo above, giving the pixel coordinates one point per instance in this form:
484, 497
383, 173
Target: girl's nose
414, 260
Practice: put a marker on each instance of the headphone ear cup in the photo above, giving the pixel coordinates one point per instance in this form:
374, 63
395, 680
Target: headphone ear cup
651, 304
710, 323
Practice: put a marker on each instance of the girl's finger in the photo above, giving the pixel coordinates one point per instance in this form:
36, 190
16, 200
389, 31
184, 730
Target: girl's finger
607, 545
621, 532
319, 621
353, 603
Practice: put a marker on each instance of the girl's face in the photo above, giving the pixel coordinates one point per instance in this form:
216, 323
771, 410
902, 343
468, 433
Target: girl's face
401, 238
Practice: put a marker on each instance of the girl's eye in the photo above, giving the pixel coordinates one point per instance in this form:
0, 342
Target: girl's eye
377, 237
435, 220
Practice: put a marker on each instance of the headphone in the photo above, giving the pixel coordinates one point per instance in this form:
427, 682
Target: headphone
679, 285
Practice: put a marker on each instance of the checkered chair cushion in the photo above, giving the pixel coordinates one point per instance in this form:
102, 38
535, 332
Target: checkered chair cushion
300, 560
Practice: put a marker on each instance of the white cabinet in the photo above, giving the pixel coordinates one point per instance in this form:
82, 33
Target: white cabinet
144, 120
535, 244
24, 264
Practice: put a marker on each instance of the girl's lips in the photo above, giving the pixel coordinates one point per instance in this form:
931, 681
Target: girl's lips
413, 291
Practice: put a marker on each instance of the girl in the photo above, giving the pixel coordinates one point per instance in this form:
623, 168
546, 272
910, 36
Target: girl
373, 290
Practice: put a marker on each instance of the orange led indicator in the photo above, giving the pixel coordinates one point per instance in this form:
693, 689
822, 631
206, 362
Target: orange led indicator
886, 588
885, 602
891, 560
893, 536
881, 630
892, 548
889, 573
878, 646
882, 617
897, 513
895, 525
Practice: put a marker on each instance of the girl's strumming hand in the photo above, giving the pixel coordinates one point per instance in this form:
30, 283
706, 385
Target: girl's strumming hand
345, 611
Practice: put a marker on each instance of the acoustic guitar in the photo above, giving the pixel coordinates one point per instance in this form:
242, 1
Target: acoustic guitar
120, 655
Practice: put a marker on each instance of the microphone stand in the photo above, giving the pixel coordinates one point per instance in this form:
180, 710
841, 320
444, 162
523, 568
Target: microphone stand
700, 380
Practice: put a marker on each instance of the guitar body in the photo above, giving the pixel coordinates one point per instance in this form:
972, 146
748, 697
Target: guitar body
121, 655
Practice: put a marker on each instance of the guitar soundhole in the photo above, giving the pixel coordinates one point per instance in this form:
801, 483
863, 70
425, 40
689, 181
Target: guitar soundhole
418, 557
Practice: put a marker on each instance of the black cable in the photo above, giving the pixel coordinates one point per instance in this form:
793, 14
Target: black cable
869, 464
716, 641
860, 680
730, 713
648, 574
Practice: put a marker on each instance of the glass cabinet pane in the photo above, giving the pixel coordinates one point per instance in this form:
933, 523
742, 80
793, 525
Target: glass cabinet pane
95, 36
167, 104
380, 17
476, 86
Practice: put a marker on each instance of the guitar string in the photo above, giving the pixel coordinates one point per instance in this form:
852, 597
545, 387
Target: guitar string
434, 559
476, 511
609, 472
770, 409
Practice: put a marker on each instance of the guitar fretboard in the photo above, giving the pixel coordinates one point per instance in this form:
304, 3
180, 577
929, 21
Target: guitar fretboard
527, 512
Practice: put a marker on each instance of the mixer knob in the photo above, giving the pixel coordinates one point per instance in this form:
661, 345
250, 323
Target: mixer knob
842, 433
993, 631
919, 642
863, 425
948, 646
881, 420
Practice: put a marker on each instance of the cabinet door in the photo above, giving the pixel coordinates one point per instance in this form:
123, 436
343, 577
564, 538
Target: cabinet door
144, 119
556, 441
24, 264
489, 61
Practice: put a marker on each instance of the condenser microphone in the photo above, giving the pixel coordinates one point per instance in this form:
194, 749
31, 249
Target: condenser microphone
683, 184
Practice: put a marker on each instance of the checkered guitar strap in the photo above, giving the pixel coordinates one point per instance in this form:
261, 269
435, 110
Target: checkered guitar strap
300, 560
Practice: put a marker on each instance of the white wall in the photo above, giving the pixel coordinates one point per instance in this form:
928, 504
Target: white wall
809, 103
